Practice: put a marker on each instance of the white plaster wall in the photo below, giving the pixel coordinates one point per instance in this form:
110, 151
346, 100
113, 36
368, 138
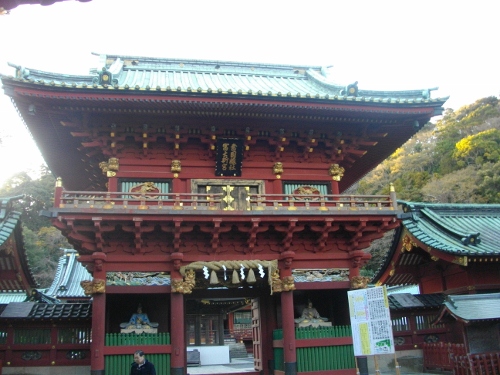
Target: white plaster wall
212, 355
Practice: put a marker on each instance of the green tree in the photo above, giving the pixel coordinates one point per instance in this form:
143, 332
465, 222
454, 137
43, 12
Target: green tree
488, 186
38, 195
478, 148
43, 249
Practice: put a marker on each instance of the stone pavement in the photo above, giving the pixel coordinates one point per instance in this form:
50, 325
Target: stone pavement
239, 365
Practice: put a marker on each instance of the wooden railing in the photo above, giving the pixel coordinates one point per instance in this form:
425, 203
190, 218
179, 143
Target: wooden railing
323, 202
203, 201
477, 364
413, 330
116, 200
440, 355
49, 345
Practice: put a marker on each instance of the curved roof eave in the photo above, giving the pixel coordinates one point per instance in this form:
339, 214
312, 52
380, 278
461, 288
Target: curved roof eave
211, 78
455, 229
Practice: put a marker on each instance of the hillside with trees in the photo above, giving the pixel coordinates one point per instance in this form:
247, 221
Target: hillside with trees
455, 160
43, 242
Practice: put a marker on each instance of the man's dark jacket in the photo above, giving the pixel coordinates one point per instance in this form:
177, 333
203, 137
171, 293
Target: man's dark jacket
146, 369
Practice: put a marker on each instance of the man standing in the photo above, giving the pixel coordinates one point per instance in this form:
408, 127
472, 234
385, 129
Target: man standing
141, 365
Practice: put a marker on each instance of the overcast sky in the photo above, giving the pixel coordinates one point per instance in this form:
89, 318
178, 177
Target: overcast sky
381, 44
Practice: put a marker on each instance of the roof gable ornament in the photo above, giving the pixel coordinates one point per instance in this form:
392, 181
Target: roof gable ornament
351, 89
105, 78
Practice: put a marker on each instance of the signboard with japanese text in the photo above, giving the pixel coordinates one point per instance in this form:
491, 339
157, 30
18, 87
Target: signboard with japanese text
370, 321
229, 157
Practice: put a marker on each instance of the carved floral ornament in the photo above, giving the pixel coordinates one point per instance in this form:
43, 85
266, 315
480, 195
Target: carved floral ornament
408, 245
8, 246
336, 171
110, 167
359, 282
96, 286
141, 190
278, 169
175, 168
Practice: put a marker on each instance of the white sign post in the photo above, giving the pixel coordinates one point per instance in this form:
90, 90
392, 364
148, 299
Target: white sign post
371, 322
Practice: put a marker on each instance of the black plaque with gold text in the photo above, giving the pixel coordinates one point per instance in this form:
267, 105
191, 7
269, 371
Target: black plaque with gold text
229, 157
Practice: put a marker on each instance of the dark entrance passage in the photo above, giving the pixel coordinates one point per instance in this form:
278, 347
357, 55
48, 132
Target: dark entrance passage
224, 326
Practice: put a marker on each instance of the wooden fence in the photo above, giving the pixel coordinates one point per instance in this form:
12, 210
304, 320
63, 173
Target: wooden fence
477, 364
439, 355
119, 364
318, 349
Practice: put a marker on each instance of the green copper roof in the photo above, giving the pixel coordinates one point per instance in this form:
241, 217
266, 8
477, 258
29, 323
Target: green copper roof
8, 218
199, 77
472, 307
69, 274
458, 229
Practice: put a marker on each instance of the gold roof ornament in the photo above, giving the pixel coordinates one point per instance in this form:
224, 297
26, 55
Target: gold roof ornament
175, 168
110, 167
336, 171
278, 169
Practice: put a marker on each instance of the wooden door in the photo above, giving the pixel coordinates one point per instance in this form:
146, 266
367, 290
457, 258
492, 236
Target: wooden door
233, 197
256, 335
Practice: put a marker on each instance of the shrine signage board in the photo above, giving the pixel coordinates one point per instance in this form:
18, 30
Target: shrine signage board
370, 321
229, 157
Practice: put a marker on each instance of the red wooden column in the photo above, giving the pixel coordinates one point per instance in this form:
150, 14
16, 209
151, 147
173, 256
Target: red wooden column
98, 318
335, 187
177, 331
287, 317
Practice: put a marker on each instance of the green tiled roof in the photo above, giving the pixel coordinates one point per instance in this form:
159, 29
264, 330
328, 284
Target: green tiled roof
46, 311
458, 229
202, 77
10, 228
8, 218
69, 274
472, 307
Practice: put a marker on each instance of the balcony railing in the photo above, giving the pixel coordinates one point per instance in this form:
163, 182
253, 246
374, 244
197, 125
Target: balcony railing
203, 201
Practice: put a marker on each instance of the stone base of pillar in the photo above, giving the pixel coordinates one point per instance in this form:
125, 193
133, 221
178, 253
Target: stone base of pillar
290, 368
177, 371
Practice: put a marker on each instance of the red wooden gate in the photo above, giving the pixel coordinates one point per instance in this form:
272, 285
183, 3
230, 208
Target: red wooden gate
256, 334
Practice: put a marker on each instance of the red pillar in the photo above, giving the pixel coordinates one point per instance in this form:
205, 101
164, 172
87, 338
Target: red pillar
177, 334
289, 350
335, 187
98, 319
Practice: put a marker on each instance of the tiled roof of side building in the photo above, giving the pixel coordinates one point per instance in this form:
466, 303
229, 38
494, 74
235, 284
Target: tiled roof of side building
12, 249
222, 77
417, 301
459, 229
69, 274
472, 307
46, 311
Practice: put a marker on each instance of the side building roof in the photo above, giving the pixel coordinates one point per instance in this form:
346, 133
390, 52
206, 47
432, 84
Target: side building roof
15, 273
45, 311
456, 233
69, 274
471, 307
